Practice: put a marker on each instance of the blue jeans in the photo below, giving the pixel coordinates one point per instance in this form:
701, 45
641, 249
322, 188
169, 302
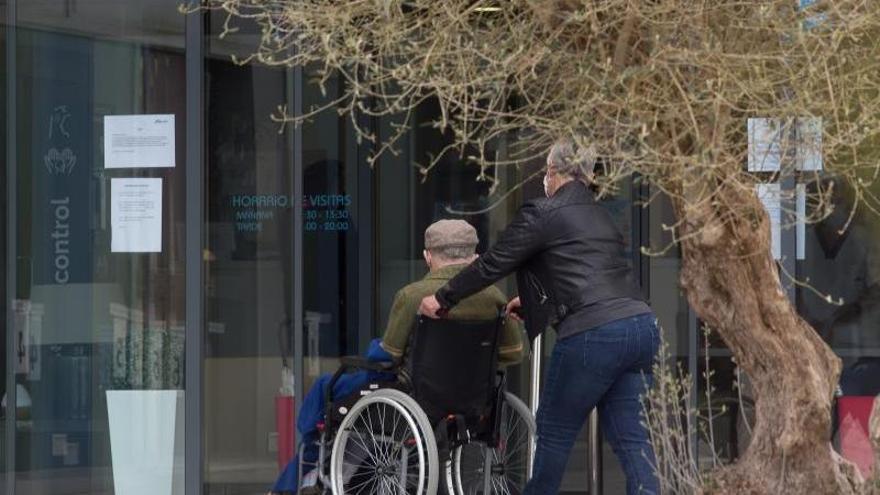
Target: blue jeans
608, 367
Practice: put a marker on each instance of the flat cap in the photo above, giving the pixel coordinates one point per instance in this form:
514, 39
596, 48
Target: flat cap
450, 233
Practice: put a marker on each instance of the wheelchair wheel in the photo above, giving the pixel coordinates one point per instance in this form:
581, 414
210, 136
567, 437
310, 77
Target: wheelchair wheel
476, 469
384, 445
428, 439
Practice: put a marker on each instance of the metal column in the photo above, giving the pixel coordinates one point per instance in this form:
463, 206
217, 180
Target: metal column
787, 201
298, 364
595, 447
195, 317
11, 243
693, 372
535, 392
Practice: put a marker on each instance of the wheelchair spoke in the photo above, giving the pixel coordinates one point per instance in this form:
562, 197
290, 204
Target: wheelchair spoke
367, 483
380, 452
503, 469
370, 424
496, 484
360, 442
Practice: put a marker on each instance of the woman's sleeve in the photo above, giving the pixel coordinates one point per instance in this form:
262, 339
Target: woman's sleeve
522, 239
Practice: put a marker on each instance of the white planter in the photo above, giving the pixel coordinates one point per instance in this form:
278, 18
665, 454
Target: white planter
146, 441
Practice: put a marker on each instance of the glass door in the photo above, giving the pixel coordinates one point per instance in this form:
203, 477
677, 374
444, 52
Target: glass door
248, 416
97, 280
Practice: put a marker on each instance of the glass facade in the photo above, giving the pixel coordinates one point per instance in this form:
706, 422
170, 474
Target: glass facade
846, 268
257, 255
248, 280
97, 335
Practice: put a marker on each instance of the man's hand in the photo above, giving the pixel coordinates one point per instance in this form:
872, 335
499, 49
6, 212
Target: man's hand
513, 309
430, 307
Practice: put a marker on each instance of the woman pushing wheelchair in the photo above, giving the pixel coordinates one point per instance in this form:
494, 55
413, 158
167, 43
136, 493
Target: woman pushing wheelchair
573, 276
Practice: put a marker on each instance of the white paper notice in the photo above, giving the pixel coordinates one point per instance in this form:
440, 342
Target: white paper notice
765, 144
809, 150
136, 215
770, 196
138, 141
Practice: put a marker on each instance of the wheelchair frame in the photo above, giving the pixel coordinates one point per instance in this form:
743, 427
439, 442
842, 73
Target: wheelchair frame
486, 433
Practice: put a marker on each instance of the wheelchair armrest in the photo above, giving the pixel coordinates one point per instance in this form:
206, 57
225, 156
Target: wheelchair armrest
348, 363
363, 363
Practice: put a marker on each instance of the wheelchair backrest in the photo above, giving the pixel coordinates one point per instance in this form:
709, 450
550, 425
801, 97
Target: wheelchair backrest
453, 365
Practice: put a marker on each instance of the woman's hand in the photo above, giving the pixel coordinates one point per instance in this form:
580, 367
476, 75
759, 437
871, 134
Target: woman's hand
514, 308
430, 307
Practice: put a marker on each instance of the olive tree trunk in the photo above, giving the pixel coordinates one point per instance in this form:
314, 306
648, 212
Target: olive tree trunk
874, 428
732, 282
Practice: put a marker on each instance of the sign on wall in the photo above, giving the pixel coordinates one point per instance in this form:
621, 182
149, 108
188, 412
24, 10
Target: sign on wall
136, 215
60, 143
139, 141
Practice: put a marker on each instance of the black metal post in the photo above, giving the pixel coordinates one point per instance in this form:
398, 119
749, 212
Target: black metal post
11, 242
195, 218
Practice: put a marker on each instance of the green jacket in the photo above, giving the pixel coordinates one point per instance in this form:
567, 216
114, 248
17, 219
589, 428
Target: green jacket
482, 305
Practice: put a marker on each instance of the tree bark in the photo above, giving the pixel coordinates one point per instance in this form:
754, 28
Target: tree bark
874, 429
732, 282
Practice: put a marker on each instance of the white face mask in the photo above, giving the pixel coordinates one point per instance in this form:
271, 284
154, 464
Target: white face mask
546, 188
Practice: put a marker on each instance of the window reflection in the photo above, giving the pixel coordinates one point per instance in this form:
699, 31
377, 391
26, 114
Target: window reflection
249, 277
99, 331
334, 230
844, 263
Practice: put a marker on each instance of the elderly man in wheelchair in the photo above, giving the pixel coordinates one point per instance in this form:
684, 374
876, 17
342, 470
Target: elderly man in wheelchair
426, 411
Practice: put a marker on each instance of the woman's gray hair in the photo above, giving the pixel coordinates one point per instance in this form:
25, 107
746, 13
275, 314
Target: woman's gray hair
567, 158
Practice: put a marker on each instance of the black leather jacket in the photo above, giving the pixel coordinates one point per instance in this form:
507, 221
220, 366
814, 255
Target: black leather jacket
567, 253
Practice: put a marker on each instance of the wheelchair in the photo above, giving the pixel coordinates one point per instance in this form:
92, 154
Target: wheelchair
440, 423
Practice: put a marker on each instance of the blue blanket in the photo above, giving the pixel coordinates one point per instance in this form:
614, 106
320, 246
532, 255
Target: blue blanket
311, 412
